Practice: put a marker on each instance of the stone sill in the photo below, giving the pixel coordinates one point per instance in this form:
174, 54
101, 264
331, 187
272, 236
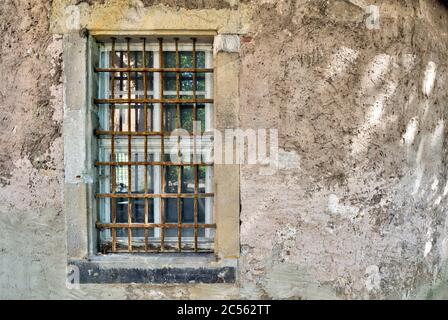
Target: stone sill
155, 269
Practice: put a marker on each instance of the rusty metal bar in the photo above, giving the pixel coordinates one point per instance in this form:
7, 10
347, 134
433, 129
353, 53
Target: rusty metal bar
139, 133
126, 133
179, 171
151, 195
129, 146
195, 167
113, 174
145, 115
162, 147
166, 250
151, 225
140, 101
165, 70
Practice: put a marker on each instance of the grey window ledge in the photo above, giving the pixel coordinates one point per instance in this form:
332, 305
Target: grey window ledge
155, 269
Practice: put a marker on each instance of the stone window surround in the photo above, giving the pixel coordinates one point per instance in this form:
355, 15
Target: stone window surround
79, 187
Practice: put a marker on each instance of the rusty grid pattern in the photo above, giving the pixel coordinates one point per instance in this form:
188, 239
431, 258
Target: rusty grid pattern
113, 71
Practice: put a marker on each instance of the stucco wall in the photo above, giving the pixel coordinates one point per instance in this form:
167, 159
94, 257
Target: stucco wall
359, 208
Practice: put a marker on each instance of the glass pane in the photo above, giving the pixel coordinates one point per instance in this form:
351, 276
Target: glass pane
169, 59
200, 117
137, 117
137, 58
202, 171
137, 233
137, 148
138, 210
201, 216
138, 171
187, 232
170, 117
105, 210
186, 117
187, 180
170, 210
136, 79
121, 178
120, 117
200, 85
121, 232
185, 78
149, 117
186, 85
200, 59
104, 175
169, 84
138, 215
187, 210
138, 120
138, 85
138, 179
201, 210
170, 150
170, 216
150, 180
121, 209
185, 59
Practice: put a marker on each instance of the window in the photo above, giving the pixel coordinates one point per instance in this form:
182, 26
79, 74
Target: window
154, 101
122, 197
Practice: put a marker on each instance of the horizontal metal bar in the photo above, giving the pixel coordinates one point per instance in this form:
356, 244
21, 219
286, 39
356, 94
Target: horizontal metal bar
152, 195
127, 133
138, 33
165, 250
150, 163
177, 70
141, 101
152, 225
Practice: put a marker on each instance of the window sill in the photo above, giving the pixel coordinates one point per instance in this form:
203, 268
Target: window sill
181, 268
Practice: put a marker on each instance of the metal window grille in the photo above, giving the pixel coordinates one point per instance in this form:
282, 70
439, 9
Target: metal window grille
147, 91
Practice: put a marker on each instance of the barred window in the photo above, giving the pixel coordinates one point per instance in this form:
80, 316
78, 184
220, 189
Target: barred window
154, 101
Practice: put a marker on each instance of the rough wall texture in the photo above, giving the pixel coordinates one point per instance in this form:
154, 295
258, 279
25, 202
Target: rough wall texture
359, 213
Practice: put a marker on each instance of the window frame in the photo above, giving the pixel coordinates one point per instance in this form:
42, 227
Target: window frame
197, 241
80, 149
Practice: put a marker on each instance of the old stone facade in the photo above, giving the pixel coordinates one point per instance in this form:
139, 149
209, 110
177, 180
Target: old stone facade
358, 209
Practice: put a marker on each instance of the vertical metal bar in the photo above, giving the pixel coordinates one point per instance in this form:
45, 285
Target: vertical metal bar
121, 91
136, 107
195, 166
145, 115
179, 169
162, 148
112, 168
156, 124
208, 127
129, 147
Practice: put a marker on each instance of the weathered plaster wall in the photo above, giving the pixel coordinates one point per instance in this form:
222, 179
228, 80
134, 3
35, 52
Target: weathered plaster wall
359, 208
364, 214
